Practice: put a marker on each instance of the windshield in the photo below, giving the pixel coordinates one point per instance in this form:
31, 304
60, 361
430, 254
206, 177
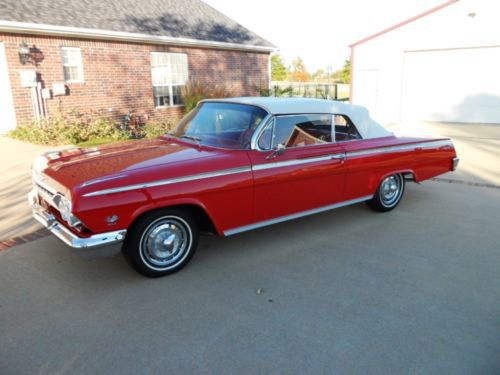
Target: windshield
225, 125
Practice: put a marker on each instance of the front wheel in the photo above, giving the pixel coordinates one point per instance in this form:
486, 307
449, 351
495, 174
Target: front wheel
389, 193
161, 242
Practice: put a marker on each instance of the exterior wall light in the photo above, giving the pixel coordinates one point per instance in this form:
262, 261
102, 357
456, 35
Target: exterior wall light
31, 55
24, 53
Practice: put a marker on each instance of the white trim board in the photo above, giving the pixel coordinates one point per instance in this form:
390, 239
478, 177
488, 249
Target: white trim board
77, 32
7, 111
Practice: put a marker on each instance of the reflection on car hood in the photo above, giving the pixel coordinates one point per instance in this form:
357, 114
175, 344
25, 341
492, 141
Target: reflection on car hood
92, 165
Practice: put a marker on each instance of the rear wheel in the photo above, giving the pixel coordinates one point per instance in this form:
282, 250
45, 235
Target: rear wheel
161, 242
388, 194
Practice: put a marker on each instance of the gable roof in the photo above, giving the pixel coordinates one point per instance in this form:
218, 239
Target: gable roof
403, 23
189, 20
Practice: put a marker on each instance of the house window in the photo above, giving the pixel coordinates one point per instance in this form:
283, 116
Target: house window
170, 73
72, 64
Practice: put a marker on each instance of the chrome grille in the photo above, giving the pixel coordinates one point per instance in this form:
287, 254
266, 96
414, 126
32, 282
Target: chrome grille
44, 190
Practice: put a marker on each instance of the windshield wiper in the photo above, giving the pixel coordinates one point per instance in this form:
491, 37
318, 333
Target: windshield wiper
193, 138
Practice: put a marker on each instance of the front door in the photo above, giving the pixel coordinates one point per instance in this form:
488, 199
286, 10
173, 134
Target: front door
7, 114
308, 175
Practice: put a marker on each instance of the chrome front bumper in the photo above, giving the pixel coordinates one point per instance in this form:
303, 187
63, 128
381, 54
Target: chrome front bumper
454, 164
50, 222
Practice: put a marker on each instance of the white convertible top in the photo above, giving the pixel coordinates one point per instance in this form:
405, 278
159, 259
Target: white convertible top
367, 127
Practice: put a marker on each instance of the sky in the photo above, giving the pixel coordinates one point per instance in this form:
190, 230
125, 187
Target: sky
319, 31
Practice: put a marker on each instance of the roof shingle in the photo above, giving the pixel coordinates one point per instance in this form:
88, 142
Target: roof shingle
191, 19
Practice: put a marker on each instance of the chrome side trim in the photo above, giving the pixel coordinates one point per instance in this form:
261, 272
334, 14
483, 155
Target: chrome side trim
69, 238
389, 149
200, 176
289, 163
278, 164
281, 219
102, 179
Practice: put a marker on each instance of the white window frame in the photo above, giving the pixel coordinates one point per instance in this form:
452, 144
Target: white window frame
79, 64
169, 85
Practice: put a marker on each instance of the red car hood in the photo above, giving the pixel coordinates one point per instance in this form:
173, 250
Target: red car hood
88, 165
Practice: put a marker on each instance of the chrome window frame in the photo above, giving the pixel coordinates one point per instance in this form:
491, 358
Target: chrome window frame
353, 124
254, 142
259, 131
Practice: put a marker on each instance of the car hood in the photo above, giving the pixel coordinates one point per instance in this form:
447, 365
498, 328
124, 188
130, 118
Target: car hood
88, 166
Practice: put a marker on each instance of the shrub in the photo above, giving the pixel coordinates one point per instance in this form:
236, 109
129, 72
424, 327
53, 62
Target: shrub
64, 129
154, 129
193, 92
74, 128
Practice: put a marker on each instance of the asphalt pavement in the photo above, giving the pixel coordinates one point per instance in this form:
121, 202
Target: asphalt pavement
415, 290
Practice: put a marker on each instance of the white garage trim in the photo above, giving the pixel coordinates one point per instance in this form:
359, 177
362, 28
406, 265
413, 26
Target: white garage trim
450, 49
7, 113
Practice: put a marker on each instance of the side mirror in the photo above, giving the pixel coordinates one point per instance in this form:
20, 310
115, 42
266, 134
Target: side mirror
278, 150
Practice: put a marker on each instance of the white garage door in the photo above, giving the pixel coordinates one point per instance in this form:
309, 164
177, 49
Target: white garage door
459, 85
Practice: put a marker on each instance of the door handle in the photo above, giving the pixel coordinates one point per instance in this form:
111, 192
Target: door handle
340, 157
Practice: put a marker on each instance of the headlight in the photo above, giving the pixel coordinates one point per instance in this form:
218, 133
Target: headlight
64, 207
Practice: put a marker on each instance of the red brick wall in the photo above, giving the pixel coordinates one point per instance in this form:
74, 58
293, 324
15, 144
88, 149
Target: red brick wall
117, 75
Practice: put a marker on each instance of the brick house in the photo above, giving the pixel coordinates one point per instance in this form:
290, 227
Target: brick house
117, 56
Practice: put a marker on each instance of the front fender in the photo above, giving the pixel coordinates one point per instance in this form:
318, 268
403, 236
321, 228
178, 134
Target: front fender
154, 205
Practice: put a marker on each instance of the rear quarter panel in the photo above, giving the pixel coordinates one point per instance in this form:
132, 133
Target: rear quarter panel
370, 161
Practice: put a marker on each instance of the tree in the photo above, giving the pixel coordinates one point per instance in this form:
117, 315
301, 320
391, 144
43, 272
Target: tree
319, 75
326, 75
278, 68
346, 71
298, 71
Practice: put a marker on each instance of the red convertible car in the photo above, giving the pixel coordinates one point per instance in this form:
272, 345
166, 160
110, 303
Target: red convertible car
231, 165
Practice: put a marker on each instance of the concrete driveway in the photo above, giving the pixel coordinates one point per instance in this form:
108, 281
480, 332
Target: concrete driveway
415, 290
15, 183
477, 145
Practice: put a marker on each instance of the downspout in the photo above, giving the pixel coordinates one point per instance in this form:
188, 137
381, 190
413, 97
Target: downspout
269, 72
352, 75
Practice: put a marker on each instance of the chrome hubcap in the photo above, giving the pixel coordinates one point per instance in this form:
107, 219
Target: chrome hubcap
390, 190
165, 243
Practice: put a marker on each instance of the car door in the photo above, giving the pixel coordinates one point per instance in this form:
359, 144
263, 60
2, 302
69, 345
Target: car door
306, 172
367, 160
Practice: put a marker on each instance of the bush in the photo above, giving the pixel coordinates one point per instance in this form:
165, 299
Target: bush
155, 129
63, 129
193, 92
74, 128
